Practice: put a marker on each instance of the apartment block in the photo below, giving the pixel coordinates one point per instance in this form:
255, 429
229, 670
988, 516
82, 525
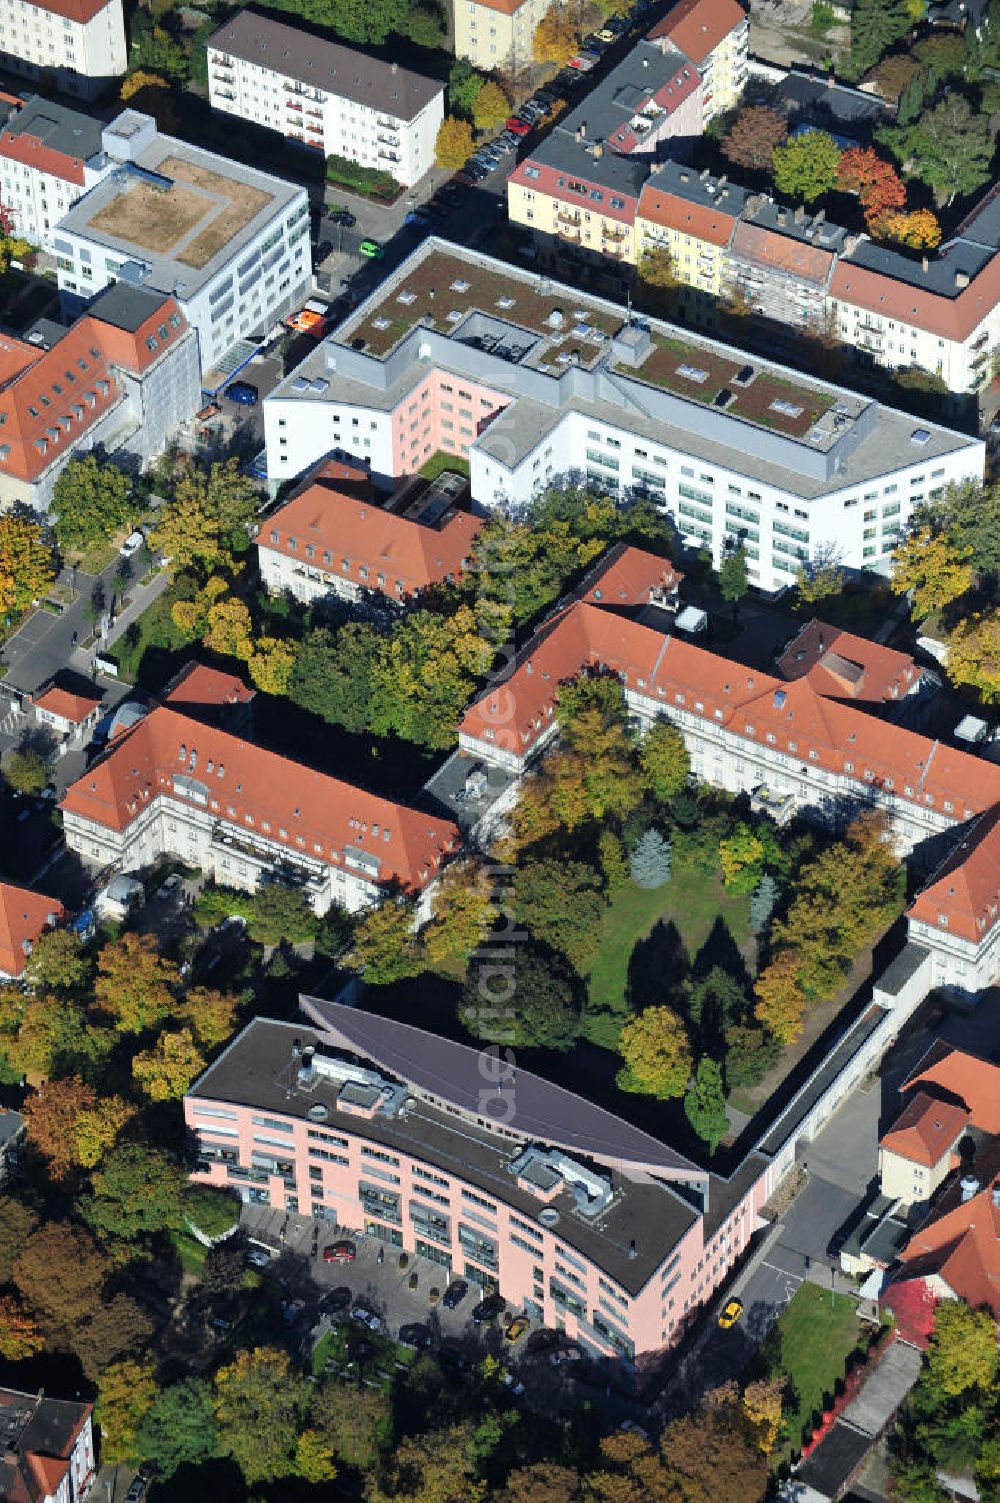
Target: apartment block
325, 544
957, 915
580, 1219
330, 98
785, 742
119, 381
177, 786
714, 34
228, 243
780, 261
47, 1454
77, 45
580, 187
529, 379
49, 157
693, 216
498, 35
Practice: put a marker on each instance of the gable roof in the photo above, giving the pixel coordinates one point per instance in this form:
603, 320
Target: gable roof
23, 916
80, 11
246, 786
628, 578
50, 398
712, 224
973, 1081
965, 890
197, 684
402, 556
40, 1437
925, 1129
697, 27
790, 717
962, 1247
840, 665
65, 703
952, 317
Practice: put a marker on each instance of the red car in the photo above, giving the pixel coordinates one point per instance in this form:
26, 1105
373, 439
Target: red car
518, 126
340, 1252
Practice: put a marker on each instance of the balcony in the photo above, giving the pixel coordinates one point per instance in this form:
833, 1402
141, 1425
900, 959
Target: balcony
225, 94
388, 156
568, 216
613, 234
388, 140
292, 107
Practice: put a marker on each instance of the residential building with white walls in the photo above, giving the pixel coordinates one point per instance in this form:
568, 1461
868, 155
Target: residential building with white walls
529, 379
49, 157
76, 45
229, 243
332, 98
47, 1454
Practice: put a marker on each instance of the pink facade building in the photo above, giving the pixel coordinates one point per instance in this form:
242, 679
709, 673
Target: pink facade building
457, 1157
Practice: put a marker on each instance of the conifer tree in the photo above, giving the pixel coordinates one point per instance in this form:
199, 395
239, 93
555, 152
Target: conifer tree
650, 860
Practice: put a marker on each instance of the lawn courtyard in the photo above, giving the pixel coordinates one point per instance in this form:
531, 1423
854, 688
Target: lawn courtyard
809, 1346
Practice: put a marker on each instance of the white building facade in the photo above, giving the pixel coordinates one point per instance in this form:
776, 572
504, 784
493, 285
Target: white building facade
78, 44
49, 157
331, 98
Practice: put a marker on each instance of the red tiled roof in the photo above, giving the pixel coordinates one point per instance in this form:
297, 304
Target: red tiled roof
840, 665
962, 1247
80, 11
49, 1472
952, 318
669, 97
248, 787
23, 916
30, 151
697, 27
39, 423
926, 1129
62, 702
965, 891
629, 577
781, 252
198, 684
713, 224
391, 548
790, 717
973, 1081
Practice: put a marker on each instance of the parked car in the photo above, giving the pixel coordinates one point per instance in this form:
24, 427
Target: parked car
132, 544
258, 1257
488, 1309
242, 393
371, 249
518, 126
169, 887
344, 217
291, 1309
516, 1329
731, 1312
565, 1354
366, 1317
338, 1299
415, 1335
455, 1294
344, 1251
417, 219
514, 1384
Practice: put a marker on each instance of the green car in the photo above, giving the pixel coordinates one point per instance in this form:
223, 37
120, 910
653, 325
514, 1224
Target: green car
371, 248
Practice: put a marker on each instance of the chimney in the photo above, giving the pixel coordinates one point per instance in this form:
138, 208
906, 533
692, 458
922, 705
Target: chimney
782, 217
582, 129
800, 214
703, 174
819, 216
307, 1069
970, 1187
961, 279
395, 67
723, 180
598, 149
831, 79
633, 1251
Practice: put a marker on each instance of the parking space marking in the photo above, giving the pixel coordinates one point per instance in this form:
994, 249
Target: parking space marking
798, 1278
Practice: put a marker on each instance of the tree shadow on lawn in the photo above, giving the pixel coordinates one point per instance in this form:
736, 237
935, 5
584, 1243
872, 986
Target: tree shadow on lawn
720, 949
658, 969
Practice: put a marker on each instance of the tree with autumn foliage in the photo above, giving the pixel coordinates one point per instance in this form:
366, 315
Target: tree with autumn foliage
210, 519
20, 1336
462, 912
593, 719
453, 145
763, 1407
708, 1454
753, 136
656, 1051
781, 1002
271, 662
58, 962
61, 1272
974, 654
27, 567
665, 762
135, 984
556, 38
932, 568
876, 182
386, 946
920, 229
209, 1014
71, 1125
167, 1070
259, 1402
229, 629
127, 1391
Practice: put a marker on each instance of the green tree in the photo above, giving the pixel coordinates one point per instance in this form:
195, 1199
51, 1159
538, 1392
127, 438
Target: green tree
741, 856
27, 771
665, 762
92, 501
593, 718
127, 1390
962, 1355
58, 963
167, 1070
933, 568
705, 1104
213, 1212
427, 671
806, 166
356, 1423
210, 520
561, 903
656, 1053
819, 580
334, 674
178, 1428
733, 580
259, 1401
614, 866
135, 983
530, 999
386, 945
453, 145
876, 25
650, 861
750, 1053
491, 107
950, 148
136, 1192
313, 1461
154, 50
968, 513
762, 903
463, 912
716, 1000
26, 563
464, 84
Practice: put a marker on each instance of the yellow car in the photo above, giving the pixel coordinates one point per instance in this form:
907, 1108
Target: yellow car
606, 35
731, 1313
517, 1328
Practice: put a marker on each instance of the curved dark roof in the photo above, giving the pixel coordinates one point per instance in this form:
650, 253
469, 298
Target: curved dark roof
455, 1073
